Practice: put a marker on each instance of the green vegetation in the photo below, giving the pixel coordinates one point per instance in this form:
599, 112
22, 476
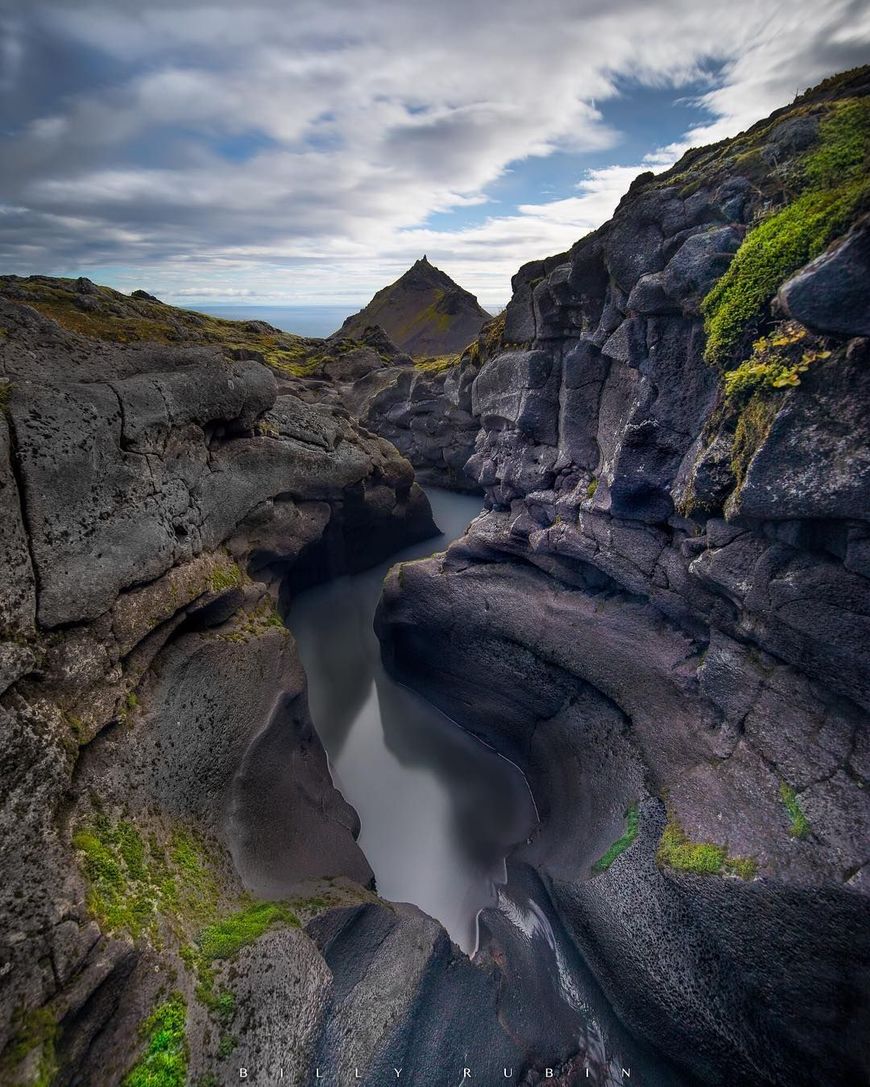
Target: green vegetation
836, 187
489, 342
436, 364
5, 392
35, 1029
592, 488
128, 704
164, 1062
799, 825
753, 426
228, 936
118, 318
132, 884
777, 361
252, 624
225, 576
225, 938
703, 858
226, 1045
632, 821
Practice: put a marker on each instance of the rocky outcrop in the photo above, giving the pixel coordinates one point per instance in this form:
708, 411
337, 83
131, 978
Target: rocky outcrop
157, 500
424, 312
662, 615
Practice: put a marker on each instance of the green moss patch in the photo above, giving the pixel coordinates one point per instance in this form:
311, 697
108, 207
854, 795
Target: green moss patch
36, 1029
776, 363
223, 940
253, 624
164, 1062
632, 821
836, 188
226, 575
703, 858
436, 364
132, 883
753, 426
799, 825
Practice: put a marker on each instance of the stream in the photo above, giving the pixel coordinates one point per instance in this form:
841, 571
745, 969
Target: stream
439, 809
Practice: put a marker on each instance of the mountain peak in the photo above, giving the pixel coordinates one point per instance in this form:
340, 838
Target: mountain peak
424, 312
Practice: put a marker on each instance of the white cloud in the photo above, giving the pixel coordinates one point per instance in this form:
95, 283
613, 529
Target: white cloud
297, 150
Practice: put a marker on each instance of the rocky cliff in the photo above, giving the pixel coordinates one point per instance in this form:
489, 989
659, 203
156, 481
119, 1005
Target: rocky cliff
663, 614
157, 499
424, 312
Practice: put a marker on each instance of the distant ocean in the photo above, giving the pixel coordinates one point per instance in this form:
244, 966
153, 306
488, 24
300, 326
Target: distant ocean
303, 320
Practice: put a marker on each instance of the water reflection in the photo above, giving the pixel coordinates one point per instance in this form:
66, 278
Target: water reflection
439, 810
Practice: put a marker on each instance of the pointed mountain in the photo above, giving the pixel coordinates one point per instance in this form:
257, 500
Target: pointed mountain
424, 313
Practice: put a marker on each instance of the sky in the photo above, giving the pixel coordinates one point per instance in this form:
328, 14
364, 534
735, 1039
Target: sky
302, 153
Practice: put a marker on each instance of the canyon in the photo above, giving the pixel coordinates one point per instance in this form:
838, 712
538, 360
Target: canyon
659, 616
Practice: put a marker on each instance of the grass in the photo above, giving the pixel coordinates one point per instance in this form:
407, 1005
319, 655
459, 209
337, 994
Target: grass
164, 1062
34, 1029
436, 364
132, 883
223, 940
116, 318
591, 488
836, 189
632, 821
701, 858
799, 825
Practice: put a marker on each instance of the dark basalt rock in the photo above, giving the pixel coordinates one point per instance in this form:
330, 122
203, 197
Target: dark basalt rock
830, 295
147, 679
663, 606
424, 313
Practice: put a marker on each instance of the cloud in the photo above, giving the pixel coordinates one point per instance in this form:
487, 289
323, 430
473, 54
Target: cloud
299, 150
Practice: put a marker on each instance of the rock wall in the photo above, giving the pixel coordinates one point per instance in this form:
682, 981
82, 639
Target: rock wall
158, 757
663, 613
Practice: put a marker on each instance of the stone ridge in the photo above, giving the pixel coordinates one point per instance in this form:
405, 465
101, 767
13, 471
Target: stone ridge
424, 312
666, 601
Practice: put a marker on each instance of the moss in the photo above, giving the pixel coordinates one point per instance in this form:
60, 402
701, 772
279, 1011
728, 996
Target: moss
776, 363
227, 937
226, 1046
844, 147
128, 704
753, 426
133, 884
265, 428
632, 821
164, 1062
592, 488
436, 364
799, 826
36, 1029
253, 624
223, 940
226, 575
702, 858
836, 188
5, 393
